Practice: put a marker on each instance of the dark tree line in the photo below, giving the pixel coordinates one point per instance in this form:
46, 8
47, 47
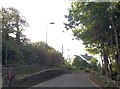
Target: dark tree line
17, 49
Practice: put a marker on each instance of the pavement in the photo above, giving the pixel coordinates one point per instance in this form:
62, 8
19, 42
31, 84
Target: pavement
68, 80
0, 75
0, 81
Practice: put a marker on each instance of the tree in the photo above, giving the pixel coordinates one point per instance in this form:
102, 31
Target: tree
6, 29
115, 20
91, 22
76, 63
80, 64
19, 23
54, 57
13, 22
67, 65
93, 63
17, 48
11, 26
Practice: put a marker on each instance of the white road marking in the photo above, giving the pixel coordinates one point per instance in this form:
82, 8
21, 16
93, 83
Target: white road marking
92, 82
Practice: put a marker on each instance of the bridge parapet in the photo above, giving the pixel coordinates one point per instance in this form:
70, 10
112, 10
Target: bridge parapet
39, 77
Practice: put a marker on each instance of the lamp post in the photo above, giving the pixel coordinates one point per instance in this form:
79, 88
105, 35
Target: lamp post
46, 31
47, 39
62, 43
62, 50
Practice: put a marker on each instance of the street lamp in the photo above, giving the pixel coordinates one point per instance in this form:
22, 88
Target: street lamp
46, 30
62, 43
46, 38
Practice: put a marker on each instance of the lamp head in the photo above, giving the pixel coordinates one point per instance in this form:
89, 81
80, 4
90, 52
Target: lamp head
52, 23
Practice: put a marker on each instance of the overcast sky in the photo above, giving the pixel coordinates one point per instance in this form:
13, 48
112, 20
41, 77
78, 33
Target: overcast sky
39, 13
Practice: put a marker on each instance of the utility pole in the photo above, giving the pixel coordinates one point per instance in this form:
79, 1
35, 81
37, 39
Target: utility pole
62, 50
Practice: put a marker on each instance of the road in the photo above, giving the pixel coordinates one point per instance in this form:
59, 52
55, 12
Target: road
68, 80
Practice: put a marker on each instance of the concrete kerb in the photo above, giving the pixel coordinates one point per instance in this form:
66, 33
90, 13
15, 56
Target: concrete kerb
92, 82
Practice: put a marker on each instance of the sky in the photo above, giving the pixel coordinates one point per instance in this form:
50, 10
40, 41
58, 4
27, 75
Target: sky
39, 13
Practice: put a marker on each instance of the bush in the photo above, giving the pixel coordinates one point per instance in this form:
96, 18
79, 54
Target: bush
87, 70
118, 77
114, 73
69, 67
109, 84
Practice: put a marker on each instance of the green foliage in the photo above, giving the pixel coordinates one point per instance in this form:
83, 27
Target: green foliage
17, 49
80, 64
93, 63
76, 63
12, 25
87, 69
67, 65
90, 22
114, 70
97, 24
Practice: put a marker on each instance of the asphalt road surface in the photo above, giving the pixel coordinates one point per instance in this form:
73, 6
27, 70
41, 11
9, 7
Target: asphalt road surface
69, 80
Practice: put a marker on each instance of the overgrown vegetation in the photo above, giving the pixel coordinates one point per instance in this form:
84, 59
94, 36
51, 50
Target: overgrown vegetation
98, 24
81, 65
17, 49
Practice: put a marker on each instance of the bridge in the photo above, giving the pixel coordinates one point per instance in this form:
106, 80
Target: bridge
55, 77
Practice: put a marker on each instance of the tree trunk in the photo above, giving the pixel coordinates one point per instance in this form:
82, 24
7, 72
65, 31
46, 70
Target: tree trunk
18, 31
110, 68
18, 34
6, 49
116, 39
106, 62
118, 49
113, 53
18, 37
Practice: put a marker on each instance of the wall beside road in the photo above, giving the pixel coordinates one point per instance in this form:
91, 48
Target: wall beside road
25, 69
21, 71
39, 77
